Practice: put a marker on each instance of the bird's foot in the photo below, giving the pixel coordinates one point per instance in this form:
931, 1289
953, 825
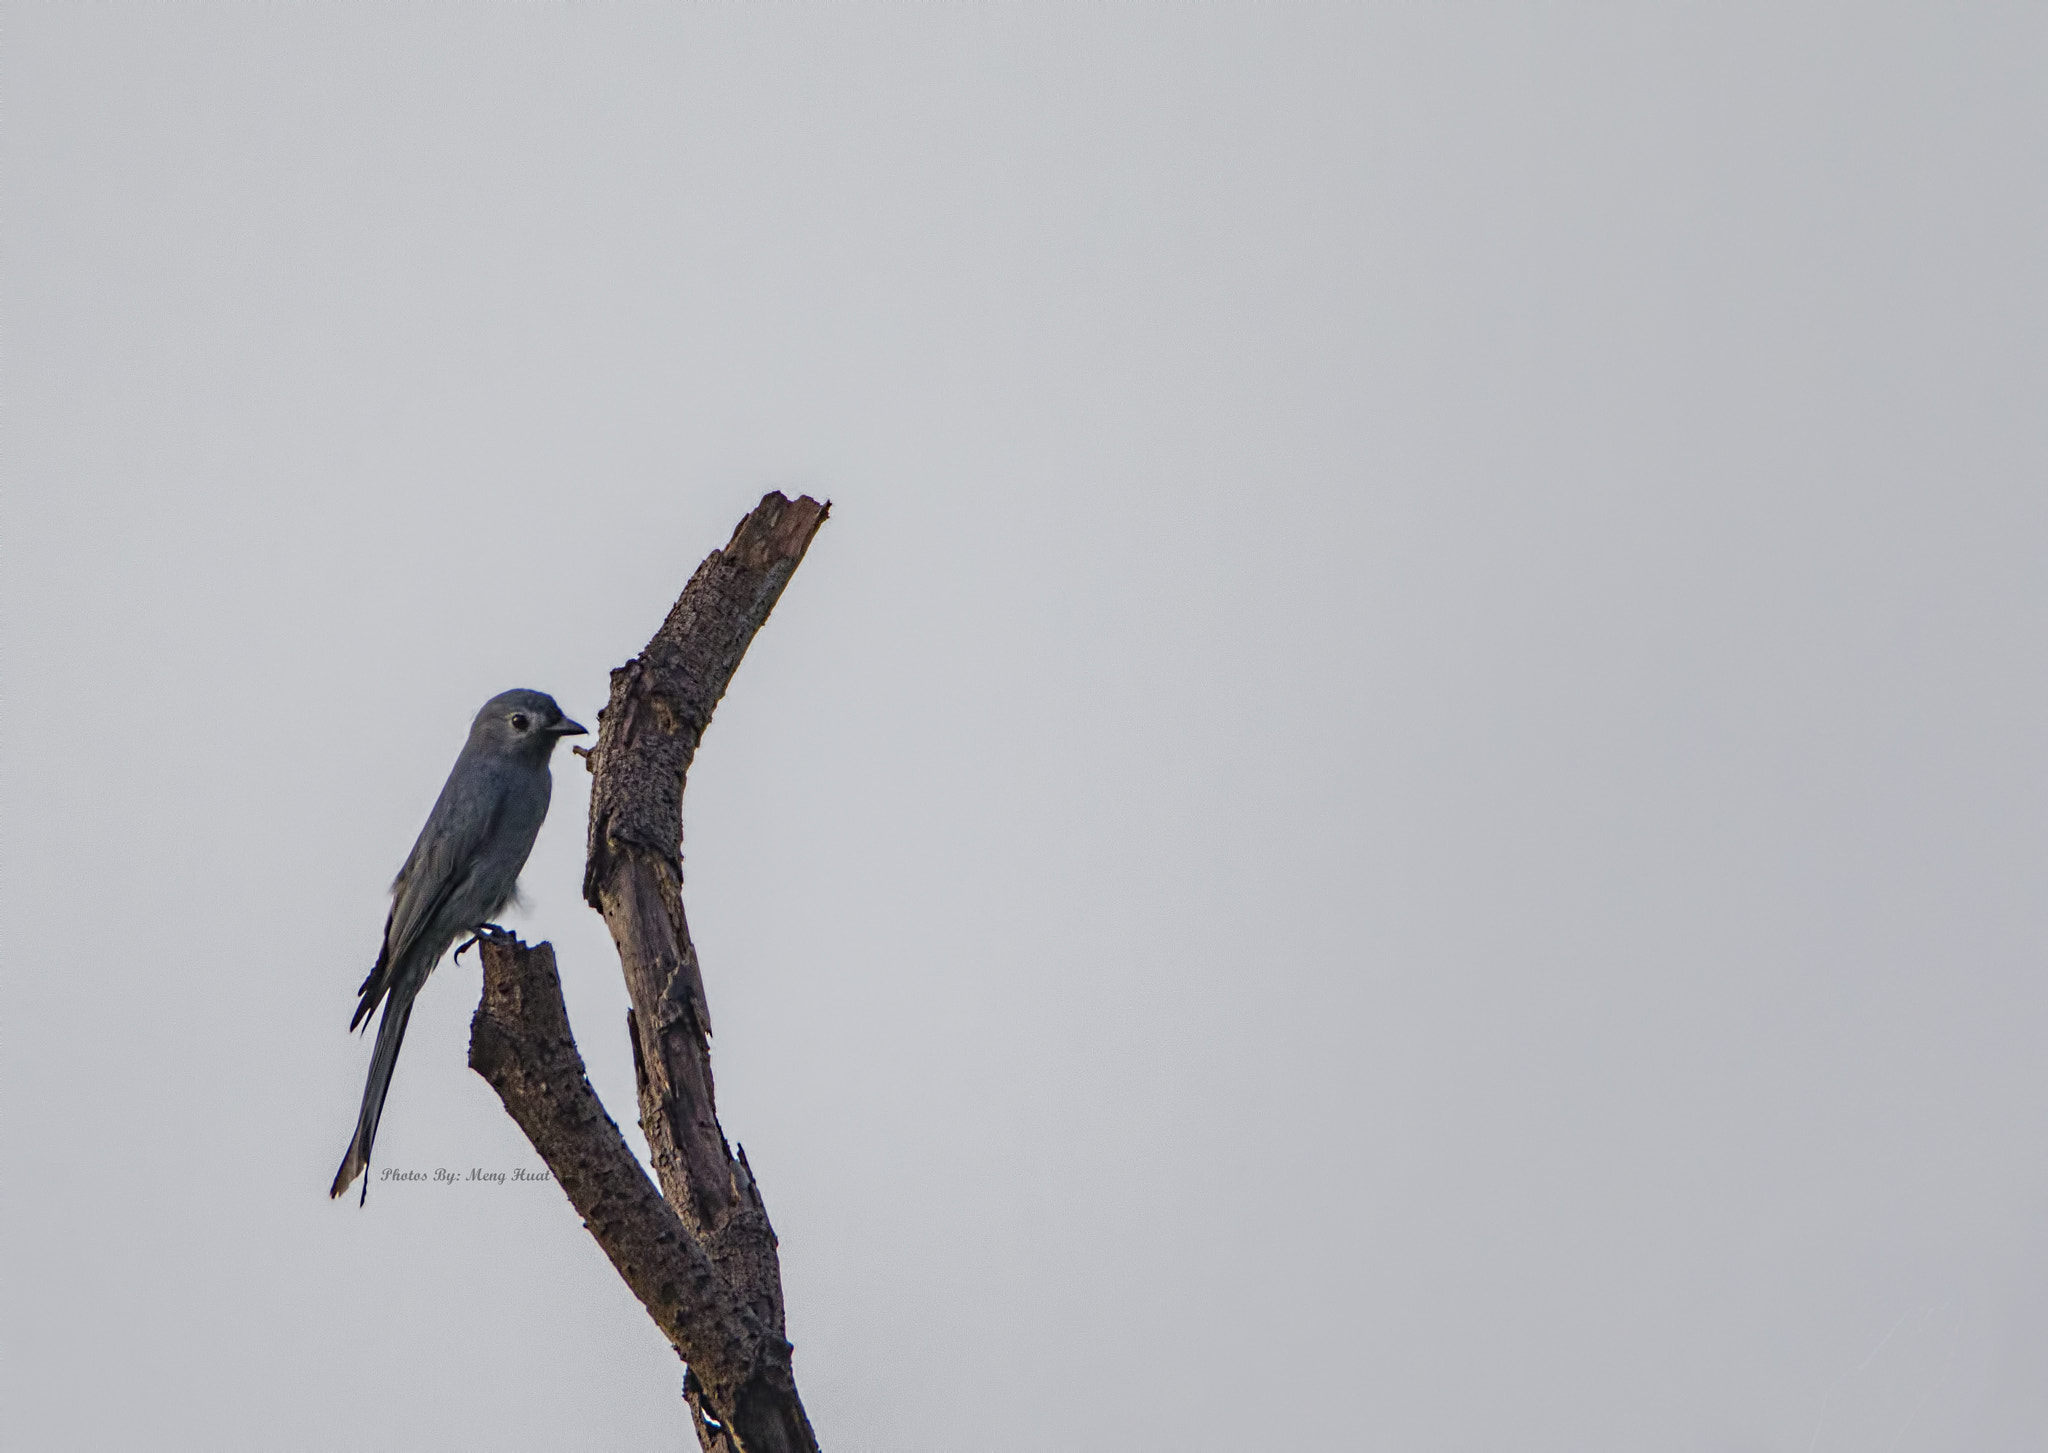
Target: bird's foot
483, 933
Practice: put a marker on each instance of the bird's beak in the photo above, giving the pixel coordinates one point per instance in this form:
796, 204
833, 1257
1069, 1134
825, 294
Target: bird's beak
567, 728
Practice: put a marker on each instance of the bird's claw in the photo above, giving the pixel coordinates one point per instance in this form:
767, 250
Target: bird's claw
484, 932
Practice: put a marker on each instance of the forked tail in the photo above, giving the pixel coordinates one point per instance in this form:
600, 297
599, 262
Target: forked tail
390, 1033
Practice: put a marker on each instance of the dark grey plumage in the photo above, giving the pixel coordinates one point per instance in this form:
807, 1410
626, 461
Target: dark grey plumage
460, 874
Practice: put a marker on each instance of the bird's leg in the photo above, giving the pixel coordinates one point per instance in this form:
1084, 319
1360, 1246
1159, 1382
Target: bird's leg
480, 933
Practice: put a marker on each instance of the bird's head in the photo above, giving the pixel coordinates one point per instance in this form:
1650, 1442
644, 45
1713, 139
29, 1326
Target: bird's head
524, 723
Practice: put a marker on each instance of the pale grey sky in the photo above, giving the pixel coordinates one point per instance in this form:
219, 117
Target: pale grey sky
1403, 808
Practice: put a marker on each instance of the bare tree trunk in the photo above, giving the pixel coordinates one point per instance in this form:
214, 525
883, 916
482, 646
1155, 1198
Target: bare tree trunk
699, 1254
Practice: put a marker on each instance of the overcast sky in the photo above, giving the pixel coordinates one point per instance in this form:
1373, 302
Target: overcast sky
1404, 806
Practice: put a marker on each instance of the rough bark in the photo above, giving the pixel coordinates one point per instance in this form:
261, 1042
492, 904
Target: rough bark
701, 1254
519, 1041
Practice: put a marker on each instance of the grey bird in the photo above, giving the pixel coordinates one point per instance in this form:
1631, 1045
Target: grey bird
461, 873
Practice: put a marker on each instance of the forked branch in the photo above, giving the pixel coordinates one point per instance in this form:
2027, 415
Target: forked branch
700, 1254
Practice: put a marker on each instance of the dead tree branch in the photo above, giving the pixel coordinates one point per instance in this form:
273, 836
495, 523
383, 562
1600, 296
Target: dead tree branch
701, 1254
519, 1041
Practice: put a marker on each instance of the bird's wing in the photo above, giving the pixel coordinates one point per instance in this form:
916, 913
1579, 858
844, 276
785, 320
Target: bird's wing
446, 856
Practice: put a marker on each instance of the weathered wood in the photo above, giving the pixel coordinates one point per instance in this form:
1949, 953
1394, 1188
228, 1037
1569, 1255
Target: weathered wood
661, 701
519, 1041
701, 1254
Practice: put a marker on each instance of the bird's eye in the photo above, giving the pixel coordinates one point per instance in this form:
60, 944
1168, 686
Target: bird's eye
519, 722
